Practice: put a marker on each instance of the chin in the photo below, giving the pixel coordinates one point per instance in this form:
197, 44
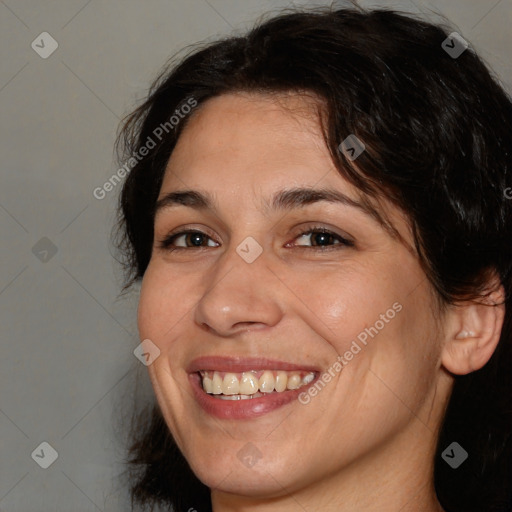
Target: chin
232, 474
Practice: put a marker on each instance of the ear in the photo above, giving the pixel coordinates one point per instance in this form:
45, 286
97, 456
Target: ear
473, 332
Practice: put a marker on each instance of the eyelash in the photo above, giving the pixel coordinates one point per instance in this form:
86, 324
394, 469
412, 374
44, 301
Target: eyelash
167, 241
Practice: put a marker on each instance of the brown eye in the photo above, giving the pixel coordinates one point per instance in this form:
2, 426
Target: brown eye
195, 237
322, 237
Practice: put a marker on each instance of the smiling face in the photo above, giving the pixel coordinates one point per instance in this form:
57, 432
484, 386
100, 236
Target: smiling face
261, 290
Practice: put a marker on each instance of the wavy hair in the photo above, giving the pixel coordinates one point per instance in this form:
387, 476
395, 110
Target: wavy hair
438, 139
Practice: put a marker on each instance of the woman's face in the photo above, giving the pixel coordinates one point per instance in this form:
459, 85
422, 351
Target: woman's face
261, 299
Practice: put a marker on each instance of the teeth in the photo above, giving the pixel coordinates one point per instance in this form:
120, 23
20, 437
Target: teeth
207, 384
248, 384
267, 382
235, 397
216, 384
293, 382
281, 380
245, 385
308, 378
230, 384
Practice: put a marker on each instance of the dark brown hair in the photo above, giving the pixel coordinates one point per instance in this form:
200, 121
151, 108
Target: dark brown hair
438, 138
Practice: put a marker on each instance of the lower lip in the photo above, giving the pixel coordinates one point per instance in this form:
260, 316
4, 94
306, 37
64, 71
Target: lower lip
241, 409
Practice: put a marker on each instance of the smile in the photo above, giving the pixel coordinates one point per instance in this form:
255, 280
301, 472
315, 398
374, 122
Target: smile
252, 384
244, 388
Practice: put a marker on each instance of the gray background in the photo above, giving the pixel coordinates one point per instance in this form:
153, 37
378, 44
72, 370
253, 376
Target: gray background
68, 369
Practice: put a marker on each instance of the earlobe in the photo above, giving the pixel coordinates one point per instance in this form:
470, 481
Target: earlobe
473, 333
462, 335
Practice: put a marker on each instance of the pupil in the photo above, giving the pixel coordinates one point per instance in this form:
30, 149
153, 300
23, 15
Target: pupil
323, 236
196, 237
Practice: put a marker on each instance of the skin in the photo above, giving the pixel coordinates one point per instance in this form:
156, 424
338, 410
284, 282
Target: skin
367, 440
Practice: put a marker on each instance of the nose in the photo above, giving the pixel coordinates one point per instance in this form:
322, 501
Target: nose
239, 295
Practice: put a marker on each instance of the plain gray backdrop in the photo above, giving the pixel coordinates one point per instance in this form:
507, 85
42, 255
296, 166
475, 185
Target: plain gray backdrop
68, 368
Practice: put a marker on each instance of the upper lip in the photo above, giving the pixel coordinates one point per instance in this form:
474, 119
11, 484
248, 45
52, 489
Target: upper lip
244, 364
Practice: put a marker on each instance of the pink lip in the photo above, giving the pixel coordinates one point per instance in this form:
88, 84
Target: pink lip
242, 409
244, 364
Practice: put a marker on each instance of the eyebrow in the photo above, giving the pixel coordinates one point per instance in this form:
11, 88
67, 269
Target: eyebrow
287, 199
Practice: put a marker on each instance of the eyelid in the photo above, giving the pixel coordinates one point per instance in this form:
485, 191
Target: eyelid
321, 228
344, 240
169, 238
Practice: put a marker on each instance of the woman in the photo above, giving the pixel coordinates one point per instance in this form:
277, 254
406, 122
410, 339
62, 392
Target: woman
319, 218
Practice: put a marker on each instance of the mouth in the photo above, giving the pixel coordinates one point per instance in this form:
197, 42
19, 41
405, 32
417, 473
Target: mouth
236, 388
252, 384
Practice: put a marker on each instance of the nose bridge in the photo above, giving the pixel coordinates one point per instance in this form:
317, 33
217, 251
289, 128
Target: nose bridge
240, 291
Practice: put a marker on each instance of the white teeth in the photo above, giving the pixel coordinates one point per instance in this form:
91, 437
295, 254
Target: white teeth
267, 382
293, 381
248, 384
230, 384
308, 378
207, 384
281, 380
216, 384
240, 397
241, 386
235, 397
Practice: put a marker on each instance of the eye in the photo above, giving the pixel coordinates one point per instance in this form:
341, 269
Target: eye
195, 236
321, 237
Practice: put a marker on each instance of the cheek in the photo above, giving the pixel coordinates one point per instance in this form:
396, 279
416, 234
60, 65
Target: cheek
383, 328
162, 301
396, 368
347, 302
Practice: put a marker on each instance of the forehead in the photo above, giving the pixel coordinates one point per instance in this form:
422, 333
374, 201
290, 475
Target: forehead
243, 147
253, 139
